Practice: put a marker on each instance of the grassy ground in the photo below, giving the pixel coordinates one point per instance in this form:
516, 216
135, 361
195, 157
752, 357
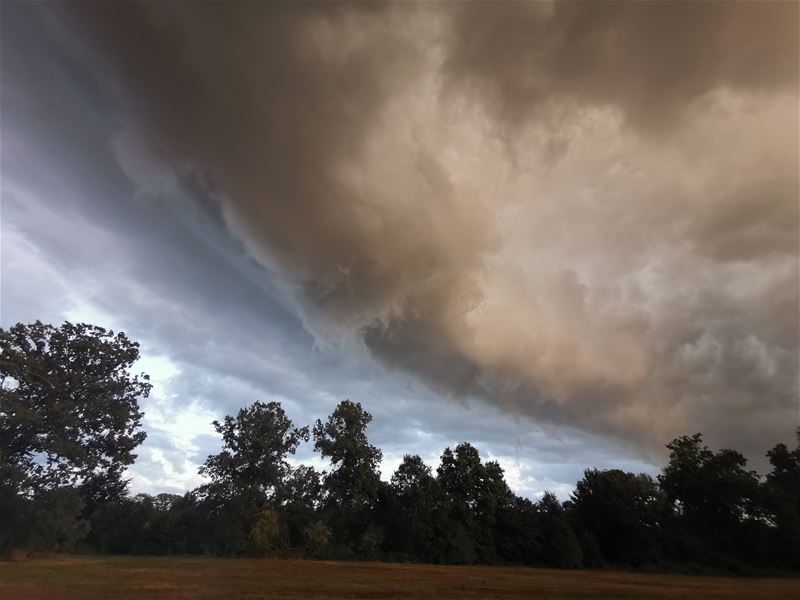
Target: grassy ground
90, 578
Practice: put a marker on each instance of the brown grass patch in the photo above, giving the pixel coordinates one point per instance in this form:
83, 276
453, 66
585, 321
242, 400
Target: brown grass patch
184, 578
17, 554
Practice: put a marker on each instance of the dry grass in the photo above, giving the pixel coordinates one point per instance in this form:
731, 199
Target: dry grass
91, 578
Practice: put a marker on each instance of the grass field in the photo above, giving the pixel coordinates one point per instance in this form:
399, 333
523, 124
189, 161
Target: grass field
95, 578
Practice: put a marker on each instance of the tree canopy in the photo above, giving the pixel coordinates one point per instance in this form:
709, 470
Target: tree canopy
69, 411
256, 443
70, 420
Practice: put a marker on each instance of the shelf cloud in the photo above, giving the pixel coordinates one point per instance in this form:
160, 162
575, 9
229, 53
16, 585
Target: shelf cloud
583, 213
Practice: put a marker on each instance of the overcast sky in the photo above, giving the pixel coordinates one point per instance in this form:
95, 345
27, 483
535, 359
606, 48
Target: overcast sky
566, 233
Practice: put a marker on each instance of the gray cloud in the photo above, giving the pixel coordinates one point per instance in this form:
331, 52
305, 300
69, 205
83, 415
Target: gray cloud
80, 240
583, 213
649, 59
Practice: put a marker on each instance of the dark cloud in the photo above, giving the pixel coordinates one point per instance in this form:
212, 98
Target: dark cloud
80, 240
649, 59
580, 213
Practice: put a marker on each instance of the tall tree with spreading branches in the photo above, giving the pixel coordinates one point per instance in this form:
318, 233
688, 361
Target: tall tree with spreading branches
69, 408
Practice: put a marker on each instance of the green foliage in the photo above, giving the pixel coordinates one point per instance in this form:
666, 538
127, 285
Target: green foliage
268, 534
559, 545
69, 408
709, 489
416, 516
621, 512
55, 517
781, 495
15, 519
353, 483
140, 525
715, 502
69, 421
369, 543
517, 533
352, 486
256, 444
317, 536
475, 494
299, 499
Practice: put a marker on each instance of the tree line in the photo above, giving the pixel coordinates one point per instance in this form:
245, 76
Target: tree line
70, 421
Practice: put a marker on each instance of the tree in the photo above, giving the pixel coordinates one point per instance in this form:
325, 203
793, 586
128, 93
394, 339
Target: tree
417, 519
559, 546
785, 474
782, 500
299, 498
476, 494
256, 443
351, 488
317, 535
247, 476
621, 510
15, 519
517, 533
123, 526
268, 533
69, 407
460, 475
714, 498
55, 519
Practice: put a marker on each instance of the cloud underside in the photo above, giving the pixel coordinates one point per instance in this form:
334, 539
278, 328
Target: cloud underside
584, 213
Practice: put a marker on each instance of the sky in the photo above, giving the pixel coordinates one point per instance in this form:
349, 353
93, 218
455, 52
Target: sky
565, 232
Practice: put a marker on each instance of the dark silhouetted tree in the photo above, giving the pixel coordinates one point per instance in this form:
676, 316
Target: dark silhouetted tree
299, 499
782, 501
622, 512
256, 443
352, 486
558, 544
69, 407
69, 420
475, 493
247, 476
714, 499
417, 519
517, 533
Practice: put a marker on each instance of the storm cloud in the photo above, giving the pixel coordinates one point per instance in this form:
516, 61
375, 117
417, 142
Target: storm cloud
585, 214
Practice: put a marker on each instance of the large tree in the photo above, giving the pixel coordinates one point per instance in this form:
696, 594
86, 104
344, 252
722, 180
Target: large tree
716, 501
69, 408
621, 510
782, 498
257, 442
559, 546
247, 478
298, 499
417, 518
476, 494
352, 486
